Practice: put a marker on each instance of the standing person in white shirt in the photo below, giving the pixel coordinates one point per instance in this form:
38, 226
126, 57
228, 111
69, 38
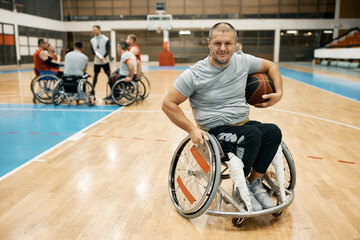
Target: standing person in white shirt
100, 47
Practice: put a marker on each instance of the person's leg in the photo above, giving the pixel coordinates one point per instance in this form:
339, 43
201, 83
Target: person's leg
106, 68
244, 141
97, 69
270, 141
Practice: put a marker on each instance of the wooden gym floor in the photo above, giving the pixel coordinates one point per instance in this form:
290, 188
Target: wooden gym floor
111, 181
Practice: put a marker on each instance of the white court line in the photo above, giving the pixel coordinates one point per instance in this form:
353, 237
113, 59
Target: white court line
272, 108
314, 117
37, 158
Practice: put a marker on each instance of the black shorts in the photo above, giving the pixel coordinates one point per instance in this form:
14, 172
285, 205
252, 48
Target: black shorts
254, 143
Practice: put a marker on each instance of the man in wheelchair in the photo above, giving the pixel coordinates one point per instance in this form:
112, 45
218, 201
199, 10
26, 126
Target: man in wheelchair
75, 61
75, 67
128, 67
215, 87
43, 62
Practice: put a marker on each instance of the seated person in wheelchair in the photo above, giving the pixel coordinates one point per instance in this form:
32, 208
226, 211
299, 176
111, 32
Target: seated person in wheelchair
134, 49
75, 61
128, 67
43, 61
75, 66
215, 87
55, 59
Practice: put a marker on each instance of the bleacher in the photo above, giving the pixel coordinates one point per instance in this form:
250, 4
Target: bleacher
343, 52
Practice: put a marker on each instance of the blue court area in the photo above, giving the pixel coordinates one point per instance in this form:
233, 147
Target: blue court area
344, 88
28, 130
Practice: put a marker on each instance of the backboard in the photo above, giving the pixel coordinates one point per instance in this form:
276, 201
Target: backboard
156, 21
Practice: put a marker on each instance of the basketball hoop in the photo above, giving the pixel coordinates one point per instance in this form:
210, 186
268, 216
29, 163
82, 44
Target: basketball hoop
158, 23
158, 29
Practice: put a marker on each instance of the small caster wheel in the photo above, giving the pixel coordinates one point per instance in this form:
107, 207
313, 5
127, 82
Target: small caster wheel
277, 214
237, 222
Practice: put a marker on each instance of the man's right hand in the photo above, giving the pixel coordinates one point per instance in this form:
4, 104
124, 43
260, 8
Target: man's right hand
197, 136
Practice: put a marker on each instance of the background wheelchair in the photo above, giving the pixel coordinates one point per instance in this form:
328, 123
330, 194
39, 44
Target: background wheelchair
42, 87
126, 93
196, 177
74, 88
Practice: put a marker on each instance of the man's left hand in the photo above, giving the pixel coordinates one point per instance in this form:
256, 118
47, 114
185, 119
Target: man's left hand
273, 99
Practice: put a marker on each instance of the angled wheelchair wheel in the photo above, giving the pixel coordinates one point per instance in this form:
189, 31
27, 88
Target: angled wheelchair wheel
58, 94
124, 93
87, 92
289, 171
194, 177
146, 82
43, 86
141, 90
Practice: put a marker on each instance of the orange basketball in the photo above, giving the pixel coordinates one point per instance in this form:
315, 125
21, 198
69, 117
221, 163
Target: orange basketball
257, 85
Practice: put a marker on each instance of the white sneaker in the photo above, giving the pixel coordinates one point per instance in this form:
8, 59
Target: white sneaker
254, 203
259, 192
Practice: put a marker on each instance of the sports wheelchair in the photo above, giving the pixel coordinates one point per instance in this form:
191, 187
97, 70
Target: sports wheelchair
42, 87
196, 173
126, 93
74, 88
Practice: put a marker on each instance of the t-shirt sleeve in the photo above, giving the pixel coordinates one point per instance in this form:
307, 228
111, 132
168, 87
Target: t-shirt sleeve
254, 63
185, 84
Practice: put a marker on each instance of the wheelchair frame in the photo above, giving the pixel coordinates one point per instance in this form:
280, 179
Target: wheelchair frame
88, 96
205, 167
42, 87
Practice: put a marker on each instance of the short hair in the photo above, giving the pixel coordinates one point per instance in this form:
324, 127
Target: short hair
78, 45
40, 41
97, 26
123, 45
223, 27
132, 36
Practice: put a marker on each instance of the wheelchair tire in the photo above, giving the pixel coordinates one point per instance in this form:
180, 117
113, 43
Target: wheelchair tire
87, 92
194, 177
141, 90
58, 94
289, 170
146, 82
124, 93
291, 163
43, 86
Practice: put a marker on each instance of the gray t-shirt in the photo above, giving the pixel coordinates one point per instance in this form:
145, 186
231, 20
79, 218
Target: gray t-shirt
75, 63
217, 95
124, 69
98, 44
